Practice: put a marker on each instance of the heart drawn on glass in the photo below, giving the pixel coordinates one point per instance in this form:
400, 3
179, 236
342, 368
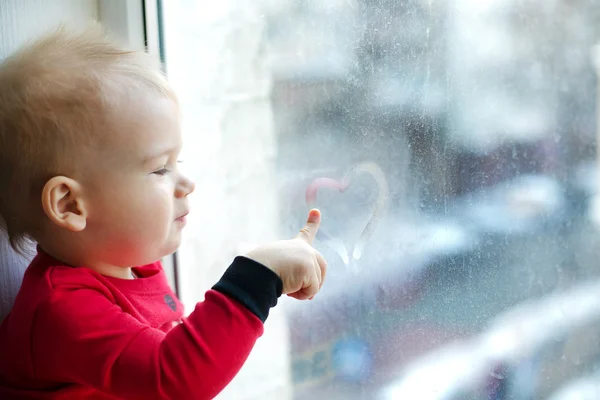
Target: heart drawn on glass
352, 252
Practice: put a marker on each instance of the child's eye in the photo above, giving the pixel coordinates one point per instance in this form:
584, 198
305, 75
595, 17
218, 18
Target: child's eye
162, 171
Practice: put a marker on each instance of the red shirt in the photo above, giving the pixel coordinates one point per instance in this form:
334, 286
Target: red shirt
76, 334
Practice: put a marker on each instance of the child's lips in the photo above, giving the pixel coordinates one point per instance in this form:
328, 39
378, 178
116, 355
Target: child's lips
182, 217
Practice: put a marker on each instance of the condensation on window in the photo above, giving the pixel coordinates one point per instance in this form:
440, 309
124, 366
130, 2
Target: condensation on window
451, 147
480, 280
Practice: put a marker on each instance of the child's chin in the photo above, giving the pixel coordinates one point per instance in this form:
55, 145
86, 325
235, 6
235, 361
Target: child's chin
172, 246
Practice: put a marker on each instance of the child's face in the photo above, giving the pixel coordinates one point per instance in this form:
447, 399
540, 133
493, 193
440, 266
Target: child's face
136, 196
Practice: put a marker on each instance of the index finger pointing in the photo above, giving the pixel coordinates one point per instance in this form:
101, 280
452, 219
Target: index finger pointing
309, 231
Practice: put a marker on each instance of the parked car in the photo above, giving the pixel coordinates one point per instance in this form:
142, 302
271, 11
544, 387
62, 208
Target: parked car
527, 204
527, 352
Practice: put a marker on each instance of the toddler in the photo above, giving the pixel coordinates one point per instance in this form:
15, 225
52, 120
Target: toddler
89, 143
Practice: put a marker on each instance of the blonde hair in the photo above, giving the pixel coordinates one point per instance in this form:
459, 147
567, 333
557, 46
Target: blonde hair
55, 93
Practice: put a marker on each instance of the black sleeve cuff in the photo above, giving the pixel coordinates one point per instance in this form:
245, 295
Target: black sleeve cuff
252, 284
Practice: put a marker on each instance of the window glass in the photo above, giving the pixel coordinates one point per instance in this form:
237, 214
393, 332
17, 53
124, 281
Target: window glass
451, 147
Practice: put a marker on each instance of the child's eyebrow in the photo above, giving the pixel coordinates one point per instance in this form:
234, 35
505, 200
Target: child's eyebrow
161, 153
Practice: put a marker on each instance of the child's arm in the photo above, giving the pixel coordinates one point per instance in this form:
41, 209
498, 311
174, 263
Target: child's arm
81, 336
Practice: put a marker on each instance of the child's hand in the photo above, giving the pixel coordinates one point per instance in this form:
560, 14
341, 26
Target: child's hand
301, 268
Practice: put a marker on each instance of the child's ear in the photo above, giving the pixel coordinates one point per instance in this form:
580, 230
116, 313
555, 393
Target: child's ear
63, 203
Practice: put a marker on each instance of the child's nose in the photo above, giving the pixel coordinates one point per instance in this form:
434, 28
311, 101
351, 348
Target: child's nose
185, 187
